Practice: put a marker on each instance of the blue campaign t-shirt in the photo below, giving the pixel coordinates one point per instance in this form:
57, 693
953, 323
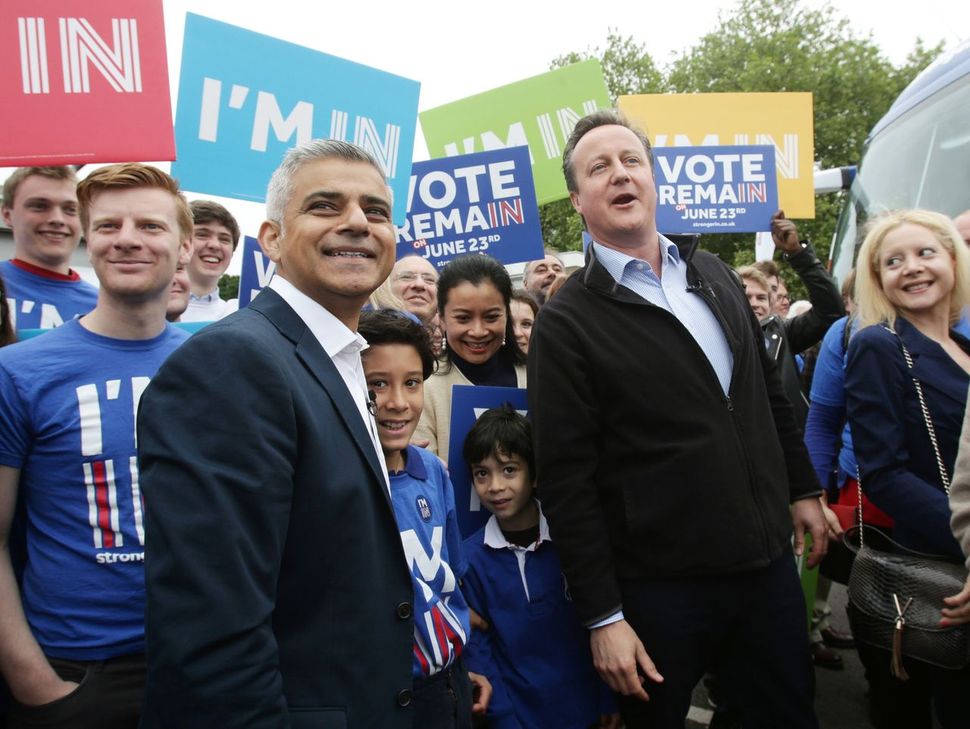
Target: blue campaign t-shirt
68, 401
41, 302
424, 504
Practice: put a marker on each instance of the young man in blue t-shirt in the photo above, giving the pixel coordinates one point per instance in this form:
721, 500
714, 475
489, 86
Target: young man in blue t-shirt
396, 363
40, 206
71, 639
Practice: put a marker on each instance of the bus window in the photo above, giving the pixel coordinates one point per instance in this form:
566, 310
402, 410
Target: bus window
920, 160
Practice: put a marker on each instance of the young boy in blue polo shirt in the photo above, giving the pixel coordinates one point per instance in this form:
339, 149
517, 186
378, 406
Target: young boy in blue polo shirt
396, 363
535, 652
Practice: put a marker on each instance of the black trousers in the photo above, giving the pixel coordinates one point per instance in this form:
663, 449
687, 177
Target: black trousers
443, 701
752, 627
109, 696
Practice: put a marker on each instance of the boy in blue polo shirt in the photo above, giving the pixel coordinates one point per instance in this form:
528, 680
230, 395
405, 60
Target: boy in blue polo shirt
536, 652
396, 363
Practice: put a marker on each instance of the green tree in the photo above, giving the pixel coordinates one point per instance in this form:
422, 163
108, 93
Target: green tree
627, 66
228, 287
766, 45
779, 45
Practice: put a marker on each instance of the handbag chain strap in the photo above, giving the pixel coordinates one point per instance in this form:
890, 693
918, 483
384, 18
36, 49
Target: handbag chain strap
944, 477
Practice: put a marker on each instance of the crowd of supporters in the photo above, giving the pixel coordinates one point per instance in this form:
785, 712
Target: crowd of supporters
687, 429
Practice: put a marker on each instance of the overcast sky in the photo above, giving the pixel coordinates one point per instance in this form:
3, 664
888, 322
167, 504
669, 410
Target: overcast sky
456, 49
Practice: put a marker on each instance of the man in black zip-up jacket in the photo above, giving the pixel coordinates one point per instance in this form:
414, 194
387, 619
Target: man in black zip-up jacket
785, 338
668, 457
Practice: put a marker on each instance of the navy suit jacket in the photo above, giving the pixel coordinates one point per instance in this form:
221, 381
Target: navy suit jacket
277, 589
892, 445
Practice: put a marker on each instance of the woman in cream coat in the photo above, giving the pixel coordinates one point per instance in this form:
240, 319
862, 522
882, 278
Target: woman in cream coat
474, 295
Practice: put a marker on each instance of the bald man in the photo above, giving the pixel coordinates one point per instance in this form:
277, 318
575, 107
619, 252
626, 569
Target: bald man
415, 282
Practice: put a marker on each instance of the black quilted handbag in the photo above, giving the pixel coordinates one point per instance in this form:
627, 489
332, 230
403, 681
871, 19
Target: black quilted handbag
896, 597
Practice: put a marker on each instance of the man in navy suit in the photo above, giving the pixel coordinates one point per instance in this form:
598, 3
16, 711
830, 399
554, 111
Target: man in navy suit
278, 594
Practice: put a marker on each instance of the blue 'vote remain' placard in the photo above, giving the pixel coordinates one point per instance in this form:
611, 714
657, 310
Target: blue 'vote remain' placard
474, 203
724, 189
467, 405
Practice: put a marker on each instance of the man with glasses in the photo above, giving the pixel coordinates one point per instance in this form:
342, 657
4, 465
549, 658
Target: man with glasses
415, 282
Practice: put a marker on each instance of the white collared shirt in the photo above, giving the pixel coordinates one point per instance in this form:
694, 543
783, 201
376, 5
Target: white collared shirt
343, 346
495, 539
208, 307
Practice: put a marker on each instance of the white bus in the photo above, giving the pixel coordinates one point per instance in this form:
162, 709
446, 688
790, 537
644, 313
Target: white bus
917, 156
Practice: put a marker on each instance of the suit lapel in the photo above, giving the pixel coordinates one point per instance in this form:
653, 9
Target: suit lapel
313, 356
308, 349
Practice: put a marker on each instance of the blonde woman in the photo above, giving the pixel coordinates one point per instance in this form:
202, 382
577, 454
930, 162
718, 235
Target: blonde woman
912, 281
